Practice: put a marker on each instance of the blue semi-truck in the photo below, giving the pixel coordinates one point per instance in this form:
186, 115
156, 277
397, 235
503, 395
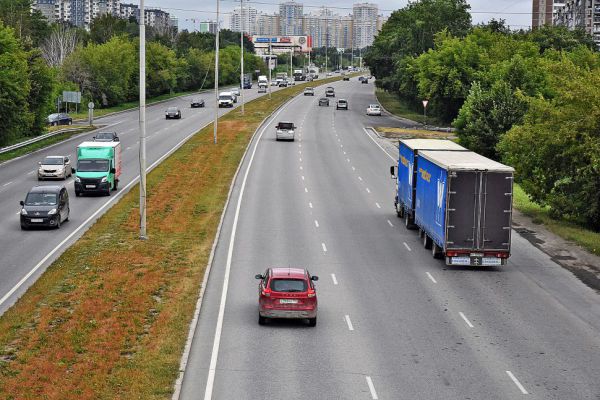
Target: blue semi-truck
462, 204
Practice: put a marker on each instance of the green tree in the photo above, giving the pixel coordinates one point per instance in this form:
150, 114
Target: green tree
486, 115
162, 67
41, 95
560, 38
29, 25
14, 87
105, 27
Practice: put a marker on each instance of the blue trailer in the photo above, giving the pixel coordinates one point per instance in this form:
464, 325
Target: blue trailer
463, 207
408, 164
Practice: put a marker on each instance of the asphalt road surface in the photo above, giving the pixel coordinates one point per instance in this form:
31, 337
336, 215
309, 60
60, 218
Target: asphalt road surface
393, 322
26, 254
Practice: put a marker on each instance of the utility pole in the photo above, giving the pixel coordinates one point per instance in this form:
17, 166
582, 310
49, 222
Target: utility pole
242, 54
269, 66
142, 122
216, 123
291, 60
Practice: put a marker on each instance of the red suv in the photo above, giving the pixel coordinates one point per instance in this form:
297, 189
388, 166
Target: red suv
287, 293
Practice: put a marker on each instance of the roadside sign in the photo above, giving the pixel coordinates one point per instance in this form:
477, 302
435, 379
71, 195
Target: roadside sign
71, 97
91, 105
425, 103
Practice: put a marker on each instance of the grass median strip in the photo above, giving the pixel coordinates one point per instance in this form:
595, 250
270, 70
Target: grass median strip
109, 318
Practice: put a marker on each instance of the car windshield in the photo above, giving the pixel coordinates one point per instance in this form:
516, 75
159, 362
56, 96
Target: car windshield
342, 102
52, 161
286, 125
224, 97
104, 135
53, 116
172, 109
288, 285
374, 106
92, 166
41, 199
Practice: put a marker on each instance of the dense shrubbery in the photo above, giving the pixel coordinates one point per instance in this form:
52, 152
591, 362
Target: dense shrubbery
528, 98
39, 61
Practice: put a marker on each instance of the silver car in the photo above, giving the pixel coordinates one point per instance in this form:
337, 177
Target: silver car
285, 131
54, 167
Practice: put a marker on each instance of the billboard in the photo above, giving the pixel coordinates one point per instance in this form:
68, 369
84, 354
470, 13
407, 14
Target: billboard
302, 44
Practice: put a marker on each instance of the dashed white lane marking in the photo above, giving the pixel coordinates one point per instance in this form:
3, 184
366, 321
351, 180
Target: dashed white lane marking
334, 279
360, 179
390, 223
353, 169
302, 177
6, 184
339, 140
431, 277
301, 168
300, 152
466, 319
324, 247
128, 148
347, 318
18, 212
342, 146
310, 205
344, 153
516, 381
377, 204
407, 246
367, 189
372, 388
306, 190
348, 160
32, 172
316, 223
300, 159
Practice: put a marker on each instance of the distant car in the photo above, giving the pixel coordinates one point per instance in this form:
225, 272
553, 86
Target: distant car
323, 101
275, 82
329, 74
173, 112
235, 91
54, 167
330, 92
310, 78
309, 91
288, 293
45, 206
360, 78
374, 109
341, 104
337, 71
282, 83
285, 131
262, 89
226, 99
346, 78
59, 119
365, 80
106, 137
197, 103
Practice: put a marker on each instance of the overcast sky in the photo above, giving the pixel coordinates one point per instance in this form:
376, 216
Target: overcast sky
517, 13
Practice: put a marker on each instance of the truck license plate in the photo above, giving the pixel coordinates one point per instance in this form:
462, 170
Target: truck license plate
491, 261
288, 301
37, 220
90, 186
460, 260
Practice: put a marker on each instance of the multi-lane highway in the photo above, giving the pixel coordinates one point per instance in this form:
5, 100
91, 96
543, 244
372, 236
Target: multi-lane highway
393, 322
25, 255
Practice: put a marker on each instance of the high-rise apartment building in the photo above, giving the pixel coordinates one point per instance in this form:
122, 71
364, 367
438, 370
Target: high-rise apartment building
46, 8
80, 13
208, 27
365, 24
580, 14
290, 18
249, 20
544, 12
267, 24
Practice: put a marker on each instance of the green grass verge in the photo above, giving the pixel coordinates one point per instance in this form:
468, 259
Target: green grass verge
400, 109
568, 230
109, 318
9, 155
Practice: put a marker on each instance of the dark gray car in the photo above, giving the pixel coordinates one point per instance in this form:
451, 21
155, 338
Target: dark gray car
59, 119
106, 137
45, 206
173, 112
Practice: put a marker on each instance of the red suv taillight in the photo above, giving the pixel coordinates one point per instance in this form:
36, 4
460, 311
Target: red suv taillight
311, 293
266, 292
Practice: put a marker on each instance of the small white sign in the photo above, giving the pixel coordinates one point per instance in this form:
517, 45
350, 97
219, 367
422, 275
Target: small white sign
425, 103
91, 105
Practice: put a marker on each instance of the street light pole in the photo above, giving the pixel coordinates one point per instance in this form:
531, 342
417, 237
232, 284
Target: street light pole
242, 54
142, 122
269, 67
216, 123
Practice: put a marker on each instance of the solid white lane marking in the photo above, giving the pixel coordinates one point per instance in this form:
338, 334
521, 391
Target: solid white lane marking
306, 190
367, 189
377, 204
516, 381
372, 388
360, 179
6, 184
353, 169
390, 223
407, 246
374, 141
310, 205
324, 247
431, 277
219, 326
466, 319
316, 223
334, 279
350, 327
32, 172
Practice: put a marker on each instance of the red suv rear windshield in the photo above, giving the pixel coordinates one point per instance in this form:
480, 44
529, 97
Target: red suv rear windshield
288, 285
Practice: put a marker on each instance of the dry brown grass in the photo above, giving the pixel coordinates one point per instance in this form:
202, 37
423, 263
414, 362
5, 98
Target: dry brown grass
109, 318
402, 133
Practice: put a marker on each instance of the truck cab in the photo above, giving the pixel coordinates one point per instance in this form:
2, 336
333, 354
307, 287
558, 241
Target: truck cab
98, 167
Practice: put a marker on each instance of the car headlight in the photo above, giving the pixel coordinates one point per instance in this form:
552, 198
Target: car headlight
104, 179
23, 211
77, 179
52, 212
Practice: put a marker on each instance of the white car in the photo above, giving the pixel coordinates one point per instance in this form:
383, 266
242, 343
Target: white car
373, 109
235, 91
226, 99
285, 131
54, 167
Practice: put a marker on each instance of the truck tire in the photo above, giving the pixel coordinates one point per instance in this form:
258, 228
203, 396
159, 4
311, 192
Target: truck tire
436, 252
409, 221
421, 233
426, 241
399, 210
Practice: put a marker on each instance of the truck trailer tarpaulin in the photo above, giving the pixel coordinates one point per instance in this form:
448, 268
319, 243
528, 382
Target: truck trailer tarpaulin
463, 206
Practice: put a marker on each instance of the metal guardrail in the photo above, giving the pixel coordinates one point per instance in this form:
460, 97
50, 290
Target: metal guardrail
37, 139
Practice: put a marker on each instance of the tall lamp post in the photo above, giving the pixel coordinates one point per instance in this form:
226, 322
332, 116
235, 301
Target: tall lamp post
142, 122
216, 123
242, 54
